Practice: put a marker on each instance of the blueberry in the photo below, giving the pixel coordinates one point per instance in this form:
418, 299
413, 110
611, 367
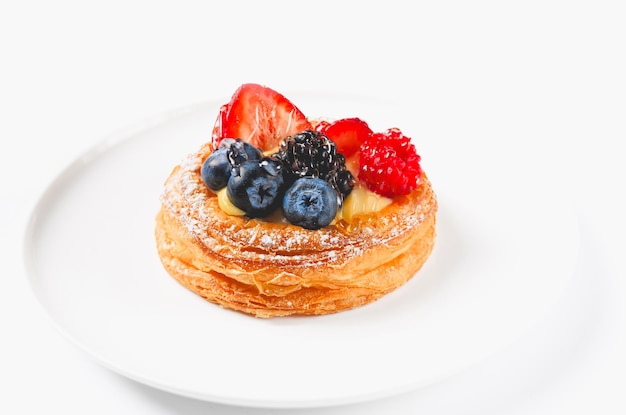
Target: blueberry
240, 151
215, 170
256, 187
310, 203
231, 152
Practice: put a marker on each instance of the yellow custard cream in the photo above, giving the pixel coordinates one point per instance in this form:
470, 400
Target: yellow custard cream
359, 202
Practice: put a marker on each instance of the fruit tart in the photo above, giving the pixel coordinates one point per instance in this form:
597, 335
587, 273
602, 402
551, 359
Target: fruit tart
280, 214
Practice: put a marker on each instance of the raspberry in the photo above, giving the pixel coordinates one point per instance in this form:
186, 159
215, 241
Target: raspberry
389, 164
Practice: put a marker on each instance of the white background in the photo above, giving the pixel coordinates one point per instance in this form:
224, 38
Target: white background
544, 75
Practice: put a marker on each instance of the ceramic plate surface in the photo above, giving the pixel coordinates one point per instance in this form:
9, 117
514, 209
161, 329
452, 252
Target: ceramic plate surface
506, 248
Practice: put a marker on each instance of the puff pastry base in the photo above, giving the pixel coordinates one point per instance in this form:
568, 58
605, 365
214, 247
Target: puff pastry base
270, 268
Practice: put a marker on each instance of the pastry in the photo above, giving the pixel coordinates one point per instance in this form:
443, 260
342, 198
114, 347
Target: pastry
281, 215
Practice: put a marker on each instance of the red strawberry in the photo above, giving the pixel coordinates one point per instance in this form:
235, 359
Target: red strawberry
260, 116
322, 125
347, 133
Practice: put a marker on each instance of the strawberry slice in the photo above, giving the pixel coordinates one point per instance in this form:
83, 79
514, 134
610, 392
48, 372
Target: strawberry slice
260, 116
347, 133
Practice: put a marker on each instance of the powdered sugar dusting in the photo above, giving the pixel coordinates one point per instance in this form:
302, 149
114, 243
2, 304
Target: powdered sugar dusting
192, 203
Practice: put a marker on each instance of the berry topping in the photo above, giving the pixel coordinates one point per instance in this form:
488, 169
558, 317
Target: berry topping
216, 169
240, 151
347, 133
230, 153
389, 164
312, 154
256, 187
259, 116
310, 203
263, 144
321, 125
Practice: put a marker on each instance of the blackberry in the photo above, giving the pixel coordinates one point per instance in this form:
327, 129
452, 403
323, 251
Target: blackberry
312, 154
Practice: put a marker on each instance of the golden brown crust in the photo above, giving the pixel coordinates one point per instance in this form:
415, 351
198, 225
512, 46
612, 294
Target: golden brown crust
274, 268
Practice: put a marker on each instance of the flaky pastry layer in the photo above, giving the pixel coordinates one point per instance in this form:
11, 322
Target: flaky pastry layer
273, 268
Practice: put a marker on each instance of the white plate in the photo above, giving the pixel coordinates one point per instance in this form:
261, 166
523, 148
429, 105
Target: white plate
506, 248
